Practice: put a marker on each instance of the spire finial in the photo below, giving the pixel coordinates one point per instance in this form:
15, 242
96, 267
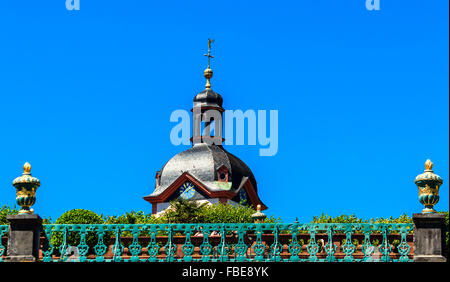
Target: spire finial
208, 73
428, 165
26, 168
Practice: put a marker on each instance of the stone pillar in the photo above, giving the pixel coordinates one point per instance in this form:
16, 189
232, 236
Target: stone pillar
429, 237
23, 238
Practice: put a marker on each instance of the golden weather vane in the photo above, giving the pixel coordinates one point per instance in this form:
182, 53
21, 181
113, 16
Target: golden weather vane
208, 72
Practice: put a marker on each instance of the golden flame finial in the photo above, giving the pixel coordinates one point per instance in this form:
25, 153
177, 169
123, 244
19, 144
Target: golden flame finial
26, 168
428, 165
258, 208
208, 73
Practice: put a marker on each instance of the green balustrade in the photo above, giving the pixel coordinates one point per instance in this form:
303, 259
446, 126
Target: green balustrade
3, 232
294, 242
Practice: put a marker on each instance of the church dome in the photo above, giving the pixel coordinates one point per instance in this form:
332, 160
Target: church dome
205, 162
217, 174
208, 98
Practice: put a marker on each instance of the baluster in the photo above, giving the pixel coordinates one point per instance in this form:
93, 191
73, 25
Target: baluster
64, 246
188, 247
348, 247
118, 247
205, 247
82, 247
241, 248
100, 248
135, 248
48, 248
385, 248
223, 248
330, 247
312, 247
3, 230
294, 247
153, 248
276, 248
170, 248
259, 247
403, 248
367, 248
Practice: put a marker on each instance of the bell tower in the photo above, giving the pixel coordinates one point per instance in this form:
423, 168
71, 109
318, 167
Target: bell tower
207, 111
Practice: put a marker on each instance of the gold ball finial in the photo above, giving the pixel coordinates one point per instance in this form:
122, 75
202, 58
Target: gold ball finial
428, 165
208, 73
258, 208
26, 168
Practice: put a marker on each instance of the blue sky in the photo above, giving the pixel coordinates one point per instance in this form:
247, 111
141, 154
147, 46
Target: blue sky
362, 97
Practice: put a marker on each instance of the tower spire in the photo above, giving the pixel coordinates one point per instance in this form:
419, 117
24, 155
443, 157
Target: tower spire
208, 73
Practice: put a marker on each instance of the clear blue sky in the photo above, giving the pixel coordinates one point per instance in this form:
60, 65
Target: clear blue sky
86, 97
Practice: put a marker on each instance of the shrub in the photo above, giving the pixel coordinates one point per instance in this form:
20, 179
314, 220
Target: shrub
132, 217
77, 216
5, 211
184, 211
227, 213
446, 233
324, 218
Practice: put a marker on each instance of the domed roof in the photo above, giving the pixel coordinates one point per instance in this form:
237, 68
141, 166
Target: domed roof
202, 161
208, 98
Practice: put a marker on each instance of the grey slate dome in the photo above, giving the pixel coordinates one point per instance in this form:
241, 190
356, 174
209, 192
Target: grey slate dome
208, 98
203, 161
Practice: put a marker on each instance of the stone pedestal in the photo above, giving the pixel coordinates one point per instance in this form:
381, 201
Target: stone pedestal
23, 237
429, 237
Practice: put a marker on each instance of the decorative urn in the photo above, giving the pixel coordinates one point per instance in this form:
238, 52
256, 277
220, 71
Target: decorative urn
428, 184
26, 187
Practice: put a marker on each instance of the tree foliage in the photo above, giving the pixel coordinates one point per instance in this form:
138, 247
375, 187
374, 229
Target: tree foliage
5, 211
324, 218
185, 211
133, 217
